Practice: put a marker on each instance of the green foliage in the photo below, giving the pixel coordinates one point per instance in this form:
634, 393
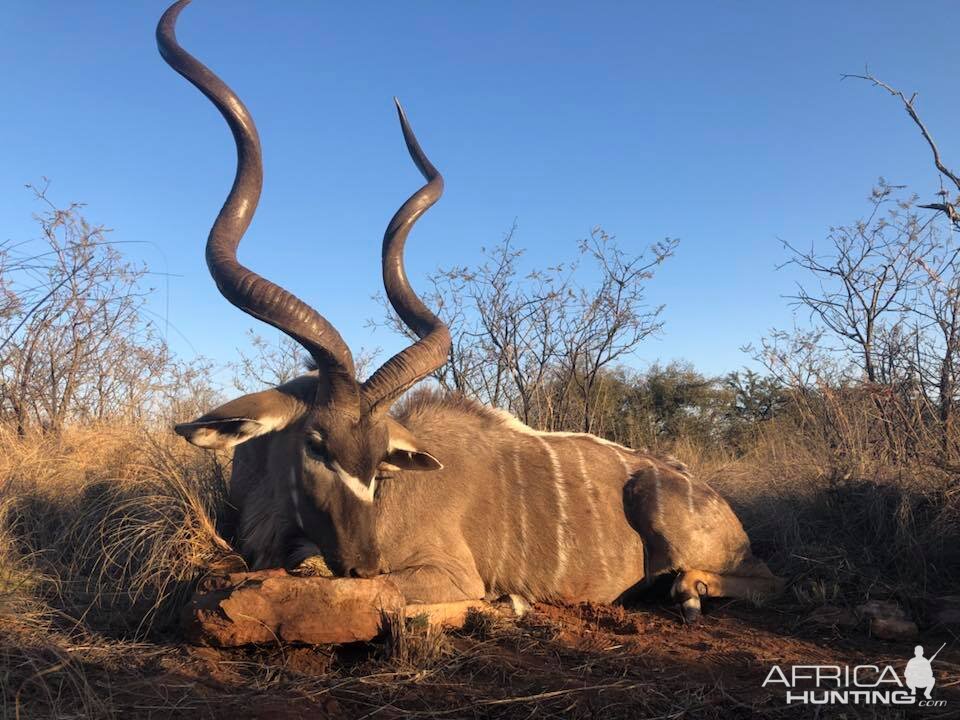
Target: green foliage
755, 399
675, 402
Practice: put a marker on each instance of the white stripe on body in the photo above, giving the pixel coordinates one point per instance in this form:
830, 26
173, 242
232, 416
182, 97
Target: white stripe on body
627, 469
518, 426
656, 494
522, 487
558, 482
505, 534
591, 493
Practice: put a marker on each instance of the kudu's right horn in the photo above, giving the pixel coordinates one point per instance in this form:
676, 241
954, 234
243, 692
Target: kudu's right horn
244, 288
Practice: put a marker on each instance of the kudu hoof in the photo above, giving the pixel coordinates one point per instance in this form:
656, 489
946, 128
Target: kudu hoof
691, 611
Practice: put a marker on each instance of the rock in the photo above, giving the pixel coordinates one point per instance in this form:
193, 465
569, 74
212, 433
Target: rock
888, 621
881, 609
833, 616
893, 628
272, 606
449, 615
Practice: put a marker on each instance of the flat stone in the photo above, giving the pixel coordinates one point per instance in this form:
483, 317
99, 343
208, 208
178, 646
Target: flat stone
449, 615
893, 628
833, 616
881, 609
271, 606
888, 621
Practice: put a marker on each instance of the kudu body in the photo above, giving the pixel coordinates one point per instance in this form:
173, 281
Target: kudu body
453, 499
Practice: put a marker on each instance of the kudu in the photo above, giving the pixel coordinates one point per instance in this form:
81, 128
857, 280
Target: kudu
454, 500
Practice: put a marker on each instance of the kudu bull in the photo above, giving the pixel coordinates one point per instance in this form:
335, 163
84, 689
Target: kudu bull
453, 499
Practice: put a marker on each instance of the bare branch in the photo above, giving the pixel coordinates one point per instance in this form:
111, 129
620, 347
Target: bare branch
947, 208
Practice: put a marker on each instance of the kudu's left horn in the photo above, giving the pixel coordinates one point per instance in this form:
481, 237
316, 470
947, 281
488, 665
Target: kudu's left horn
431, 351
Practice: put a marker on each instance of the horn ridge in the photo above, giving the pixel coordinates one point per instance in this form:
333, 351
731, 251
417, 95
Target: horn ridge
255, 295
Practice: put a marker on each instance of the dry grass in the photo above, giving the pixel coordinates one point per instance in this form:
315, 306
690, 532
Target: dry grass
111, 523
843, 529
102, 532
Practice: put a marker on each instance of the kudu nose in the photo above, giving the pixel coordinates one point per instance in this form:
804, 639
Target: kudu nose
365, 572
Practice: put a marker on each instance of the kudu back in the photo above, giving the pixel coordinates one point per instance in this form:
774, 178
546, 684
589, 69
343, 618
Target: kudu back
454, 500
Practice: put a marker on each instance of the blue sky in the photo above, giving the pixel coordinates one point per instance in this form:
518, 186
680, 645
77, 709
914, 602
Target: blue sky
723, 124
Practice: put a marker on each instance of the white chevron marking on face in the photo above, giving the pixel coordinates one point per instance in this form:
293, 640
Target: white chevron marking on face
363, 492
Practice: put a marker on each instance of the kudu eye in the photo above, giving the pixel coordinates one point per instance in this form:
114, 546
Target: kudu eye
316, 446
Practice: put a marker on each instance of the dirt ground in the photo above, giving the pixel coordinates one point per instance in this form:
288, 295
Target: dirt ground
582, 661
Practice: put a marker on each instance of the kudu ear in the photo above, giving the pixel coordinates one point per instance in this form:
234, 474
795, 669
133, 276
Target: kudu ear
251, 415
404, 451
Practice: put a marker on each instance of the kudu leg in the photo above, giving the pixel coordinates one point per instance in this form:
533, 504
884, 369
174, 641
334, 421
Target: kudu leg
428, 584
691, 585
305, 558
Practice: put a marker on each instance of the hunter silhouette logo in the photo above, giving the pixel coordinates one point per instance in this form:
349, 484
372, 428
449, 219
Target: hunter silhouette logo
919, 672
859, 684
